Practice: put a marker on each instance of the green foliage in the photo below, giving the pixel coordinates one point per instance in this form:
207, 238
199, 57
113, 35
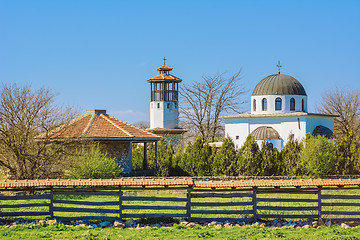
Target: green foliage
270, 164
249, 158
318, 156
290, 157
347, 155
225, 159
91, 162
137, 157
165, 154
196, 160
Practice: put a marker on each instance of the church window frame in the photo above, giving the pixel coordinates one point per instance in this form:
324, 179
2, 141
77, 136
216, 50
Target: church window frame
292, 104
303, 105
278, 104
254, 105
264, 104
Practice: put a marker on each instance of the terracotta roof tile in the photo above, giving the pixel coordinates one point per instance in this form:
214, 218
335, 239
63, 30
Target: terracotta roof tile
92, 125
180, 181
164, 77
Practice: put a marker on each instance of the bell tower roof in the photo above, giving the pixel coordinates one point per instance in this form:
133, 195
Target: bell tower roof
164, 75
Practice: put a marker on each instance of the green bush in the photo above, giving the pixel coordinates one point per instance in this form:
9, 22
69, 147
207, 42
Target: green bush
91, 162
317, 159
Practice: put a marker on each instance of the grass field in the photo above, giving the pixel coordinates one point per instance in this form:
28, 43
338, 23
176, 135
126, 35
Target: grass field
60, 231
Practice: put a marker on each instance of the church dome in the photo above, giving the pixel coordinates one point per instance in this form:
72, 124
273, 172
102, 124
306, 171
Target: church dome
279, 84
265, 132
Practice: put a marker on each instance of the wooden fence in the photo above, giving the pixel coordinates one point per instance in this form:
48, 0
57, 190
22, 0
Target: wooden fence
195, 204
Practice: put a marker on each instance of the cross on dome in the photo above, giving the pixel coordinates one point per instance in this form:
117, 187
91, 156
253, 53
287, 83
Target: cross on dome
279, 66
164, 61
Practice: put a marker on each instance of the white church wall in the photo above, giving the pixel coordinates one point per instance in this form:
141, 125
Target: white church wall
156, 114
237, 130
313, 121
285, 106
171, 115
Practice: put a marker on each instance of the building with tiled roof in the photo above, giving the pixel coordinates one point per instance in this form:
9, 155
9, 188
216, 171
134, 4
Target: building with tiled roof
164, 105
114, 135
278, 110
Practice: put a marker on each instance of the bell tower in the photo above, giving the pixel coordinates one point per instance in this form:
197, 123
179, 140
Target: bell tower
164, 107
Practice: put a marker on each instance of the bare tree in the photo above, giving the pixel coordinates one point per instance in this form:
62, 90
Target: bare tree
25, 113
204, 101
346, 104
142, 124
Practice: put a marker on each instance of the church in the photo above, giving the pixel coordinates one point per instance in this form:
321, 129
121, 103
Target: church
279, 108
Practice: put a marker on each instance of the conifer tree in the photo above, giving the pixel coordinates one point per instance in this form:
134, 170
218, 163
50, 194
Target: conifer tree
164, 153
317, 159
290, 157
225, 159
270, 164
249, 158
347, 156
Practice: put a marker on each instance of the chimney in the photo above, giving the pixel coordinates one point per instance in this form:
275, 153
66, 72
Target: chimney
96, 111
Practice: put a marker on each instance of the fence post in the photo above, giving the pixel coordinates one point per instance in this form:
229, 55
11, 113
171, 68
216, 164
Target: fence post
188, 204
51, 205
319, 203
254, 202
120, 203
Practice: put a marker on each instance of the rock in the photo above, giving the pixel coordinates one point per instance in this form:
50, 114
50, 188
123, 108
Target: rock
228, 225
315, 224
217, 226
51, 222
184, 223
306, 226
256, 224
82, 225
118, 224
328, 223
213, 223
94, 225
191, 225
130, 223
41, 222
156, 225
344, 225
262, 225
104, 224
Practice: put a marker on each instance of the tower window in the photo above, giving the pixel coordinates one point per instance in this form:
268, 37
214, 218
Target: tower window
278, 104
292, 104
254, 105
158, 105
303, 105
237, 137
264, 104
168, 105
176, 105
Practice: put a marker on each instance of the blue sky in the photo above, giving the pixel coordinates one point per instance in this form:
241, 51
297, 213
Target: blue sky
98, 54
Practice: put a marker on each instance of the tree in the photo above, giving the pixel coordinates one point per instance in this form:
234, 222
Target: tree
204, 101
25, 113
346, 104
317, 156
290, 157
224, 161
347, 156
165, 154
249, 159
91, 162
270, 163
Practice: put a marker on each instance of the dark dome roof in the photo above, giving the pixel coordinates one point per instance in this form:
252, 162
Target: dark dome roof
279, 84
265, 132
324, 131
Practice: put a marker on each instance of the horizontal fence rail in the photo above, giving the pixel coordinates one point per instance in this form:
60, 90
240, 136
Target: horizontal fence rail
206, 203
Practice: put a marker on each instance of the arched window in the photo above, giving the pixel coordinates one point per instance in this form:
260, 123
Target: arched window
264, 104
278, 104
292, 104
303, 105
254, 105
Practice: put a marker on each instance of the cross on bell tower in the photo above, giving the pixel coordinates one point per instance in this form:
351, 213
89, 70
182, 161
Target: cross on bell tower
164, 108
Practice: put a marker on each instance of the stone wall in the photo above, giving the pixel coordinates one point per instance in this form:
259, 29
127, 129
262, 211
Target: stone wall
121, 151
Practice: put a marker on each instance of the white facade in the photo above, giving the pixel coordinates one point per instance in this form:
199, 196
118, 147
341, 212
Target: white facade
279, 108
238, 127
164, 114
